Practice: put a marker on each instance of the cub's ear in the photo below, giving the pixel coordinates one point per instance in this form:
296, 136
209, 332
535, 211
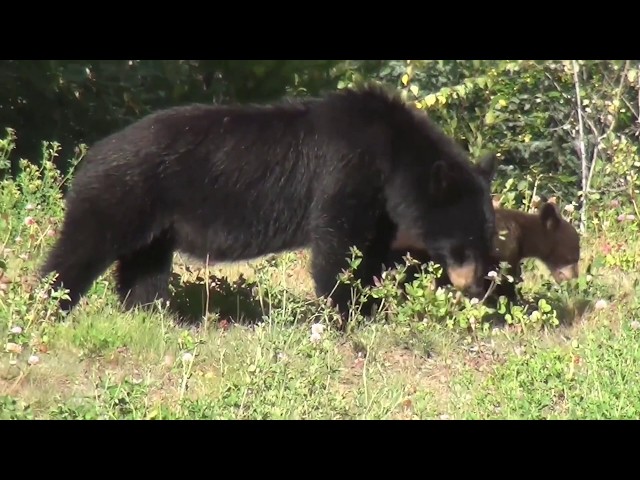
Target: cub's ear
440, 180
550, 216
487, 166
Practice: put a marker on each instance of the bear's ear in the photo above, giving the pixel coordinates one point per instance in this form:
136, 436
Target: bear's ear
440, 179
550, 216
487, 166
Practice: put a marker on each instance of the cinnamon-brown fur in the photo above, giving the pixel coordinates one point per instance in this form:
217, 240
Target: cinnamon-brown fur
545, 236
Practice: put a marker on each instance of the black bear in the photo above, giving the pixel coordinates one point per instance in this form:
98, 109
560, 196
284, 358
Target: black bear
232, 183
546, 236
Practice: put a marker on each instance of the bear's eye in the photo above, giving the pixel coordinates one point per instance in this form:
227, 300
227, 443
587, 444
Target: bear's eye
459, 253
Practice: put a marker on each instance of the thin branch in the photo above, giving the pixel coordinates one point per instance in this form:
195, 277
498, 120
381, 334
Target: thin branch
619, 95
614, 121
631, 107
596, 150
627, 102
611, 190
583, 155
567, 96
562, 127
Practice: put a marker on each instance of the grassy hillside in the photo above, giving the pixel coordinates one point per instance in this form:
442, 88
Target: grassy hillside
267, 349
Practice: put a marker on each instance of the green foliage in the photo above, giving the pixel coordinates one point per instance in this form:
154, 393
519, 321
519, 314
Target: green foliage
81, 101
525, 110
528, 112
407, 302
12, 409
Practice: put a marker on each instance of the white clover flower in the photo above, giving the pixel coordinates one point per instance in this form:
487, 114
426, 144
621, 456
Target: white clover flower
187, 357
317, 328
16, 330
600, 304
315, 337
33, 360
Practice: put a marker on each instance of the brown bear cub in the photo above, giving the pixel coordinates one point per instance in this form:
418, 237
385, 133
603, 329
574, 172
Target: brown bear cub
545, 236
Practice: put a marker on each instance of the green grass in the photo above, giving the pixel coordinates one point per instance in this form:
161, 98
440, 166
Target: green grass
250, 354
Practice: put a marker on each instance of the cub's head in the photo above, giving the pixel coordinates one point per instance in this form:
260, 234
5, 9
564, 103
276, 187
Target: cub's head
562, 244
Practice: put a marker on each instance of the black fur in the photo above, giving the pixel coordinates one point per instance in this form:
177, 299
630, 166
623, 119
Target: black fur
238, 182
485, 168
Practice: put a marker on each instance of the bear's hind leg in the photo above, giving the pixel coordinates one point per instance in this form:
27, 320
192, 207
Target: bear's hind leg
143, 276
78, 262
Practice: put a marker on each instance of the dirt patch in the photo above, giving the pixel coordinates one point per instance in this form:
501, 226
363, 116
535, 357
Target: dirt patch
417, 376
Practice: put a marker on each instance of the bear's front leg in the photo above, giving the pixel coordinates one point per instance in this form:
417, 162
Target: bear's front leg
364, 225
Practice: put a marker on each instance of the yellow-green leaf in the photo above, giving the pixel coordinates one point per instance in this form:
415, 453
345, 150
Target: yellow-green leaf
430, 100
153, 414
490, 117
405, 79
460, 90
414, 89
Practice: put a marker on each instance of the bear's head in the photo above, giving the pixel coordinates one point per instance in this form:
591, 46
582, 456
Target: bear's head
463, 220
562, 244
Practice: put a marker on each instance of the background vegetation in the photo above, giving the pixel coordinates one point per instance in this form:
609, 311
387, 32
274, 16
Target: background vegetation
567, 129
